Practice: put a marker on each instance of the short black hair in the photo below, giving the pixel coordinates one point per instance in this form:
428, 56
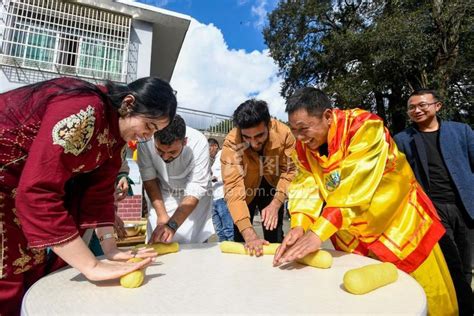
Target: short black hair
434, 93
176, 130
213, 141
313, 100
251, 113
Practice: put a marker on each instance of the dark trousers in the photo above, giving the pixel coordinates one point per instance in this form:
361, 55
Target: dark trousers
263, 197
456, 247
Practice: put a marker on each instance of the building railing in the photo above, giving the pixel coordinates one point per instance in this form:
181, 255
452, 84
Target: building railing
212, 124
64, 38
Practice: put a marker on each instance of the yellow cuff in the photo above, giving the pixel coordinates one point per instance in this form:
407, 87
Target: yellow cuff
323, 228
300, 219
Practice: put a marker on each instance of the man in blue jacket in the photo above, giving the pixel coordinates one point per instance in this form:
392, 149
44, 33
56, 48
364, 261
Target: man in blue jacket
441, 154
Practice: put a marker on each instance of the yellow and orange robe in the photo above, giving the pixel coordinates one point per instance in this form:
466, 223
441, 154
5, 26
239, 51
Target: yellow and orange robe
364, 196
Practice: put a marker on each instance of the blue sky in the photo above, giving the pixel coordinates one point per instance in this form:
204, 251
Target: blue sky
241, 21
224, 61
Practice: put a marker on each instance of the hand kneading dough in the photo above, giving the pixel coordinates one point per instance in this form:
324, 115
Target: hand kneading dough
133, 279
161, 248
368, 278
238, 248
319, 259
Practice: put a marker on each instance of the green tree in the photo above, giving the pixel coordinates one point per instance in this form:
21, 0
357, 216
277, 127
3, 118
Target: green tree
372, 54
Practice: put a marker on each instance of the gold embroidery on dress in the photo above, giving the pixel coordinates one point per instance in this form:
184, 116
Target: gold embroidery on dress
38, 255
78, 168
2, 250
97, 158
14, 193
22, 261
74, 132
2, 197
22, 269
16, 220
13, 162
103, 138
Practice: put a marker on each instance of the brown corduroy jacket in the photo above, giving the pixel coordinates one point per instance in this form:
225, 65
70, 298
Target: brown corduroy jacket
242, 169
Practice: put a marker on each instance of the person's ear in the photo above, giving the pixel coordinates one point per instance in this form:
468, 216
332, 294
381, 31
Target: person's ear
185, 141
129, 102
127, 105
438, 106
327, 115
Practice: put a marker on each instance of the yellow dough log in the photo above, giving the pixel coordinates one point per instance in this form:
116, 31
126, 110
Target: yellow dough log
319, 259
368, 278
133, 279
161, 248
238, 248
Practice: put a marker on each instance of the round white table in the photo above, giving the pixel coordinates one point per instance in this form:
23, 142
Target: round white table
201, 279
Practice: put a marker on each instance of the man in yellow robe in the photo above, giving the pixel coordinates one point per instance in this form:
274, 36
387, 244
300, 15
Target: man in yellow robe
355, 187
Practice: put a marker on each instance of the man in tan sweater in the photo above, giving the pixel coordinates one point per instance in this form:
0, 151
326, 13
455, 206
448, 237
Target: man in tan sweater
257, 169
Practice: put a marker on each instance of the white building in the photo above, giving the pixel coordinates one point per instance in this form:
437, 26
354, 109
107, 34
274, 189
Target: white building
116, 40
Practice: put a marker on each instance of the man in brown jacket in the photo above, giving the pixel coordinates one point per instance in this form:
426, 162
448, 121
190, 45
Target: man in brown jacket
256, 170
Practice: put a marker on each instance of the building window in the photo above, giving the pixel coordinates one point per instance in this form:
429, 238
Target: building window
64, 37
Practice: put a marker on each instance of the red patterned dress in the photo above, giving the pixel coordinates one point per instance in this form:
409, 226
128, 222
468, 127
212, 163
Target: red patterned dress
58, 163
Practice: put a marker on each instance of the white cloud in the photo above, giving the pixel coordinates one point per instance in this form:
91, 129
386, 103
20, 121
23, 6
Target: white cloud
211, 77
259, 10
242, 2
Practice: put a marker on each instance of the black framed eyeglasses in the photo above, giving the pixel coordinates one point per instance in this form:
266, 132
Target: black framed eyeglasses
422, 106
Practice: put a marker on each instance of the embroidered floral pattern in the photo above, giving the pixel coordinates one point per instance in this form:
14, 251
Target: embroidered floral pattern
74, 132
16, 220
2, 250
103, 138
21, 262
39, 255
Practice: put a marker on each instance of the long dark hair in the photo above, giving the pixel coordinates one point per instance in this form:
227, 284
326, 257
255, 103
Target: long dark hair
154, 97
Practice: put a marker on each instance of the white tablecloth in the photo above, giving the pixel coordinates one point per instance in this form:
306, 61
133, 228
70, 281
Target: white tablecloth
200, 279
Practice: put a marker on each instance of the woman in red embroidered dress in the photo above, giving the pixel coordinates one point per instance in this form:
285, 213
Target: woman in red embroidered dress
60, 152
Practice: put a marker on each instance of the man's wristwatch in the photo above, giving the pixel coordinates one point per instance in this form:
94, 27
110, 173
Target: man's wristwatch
172, 224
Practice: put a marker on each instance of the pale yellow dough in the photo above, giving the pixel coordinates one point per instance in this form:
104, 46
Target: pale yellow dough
238, 248
133, 279
319, 259
368, 278
161, 248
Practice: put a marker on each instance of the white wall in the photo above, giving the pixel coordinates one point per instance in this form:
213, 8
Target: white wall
142, 33
5, 84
